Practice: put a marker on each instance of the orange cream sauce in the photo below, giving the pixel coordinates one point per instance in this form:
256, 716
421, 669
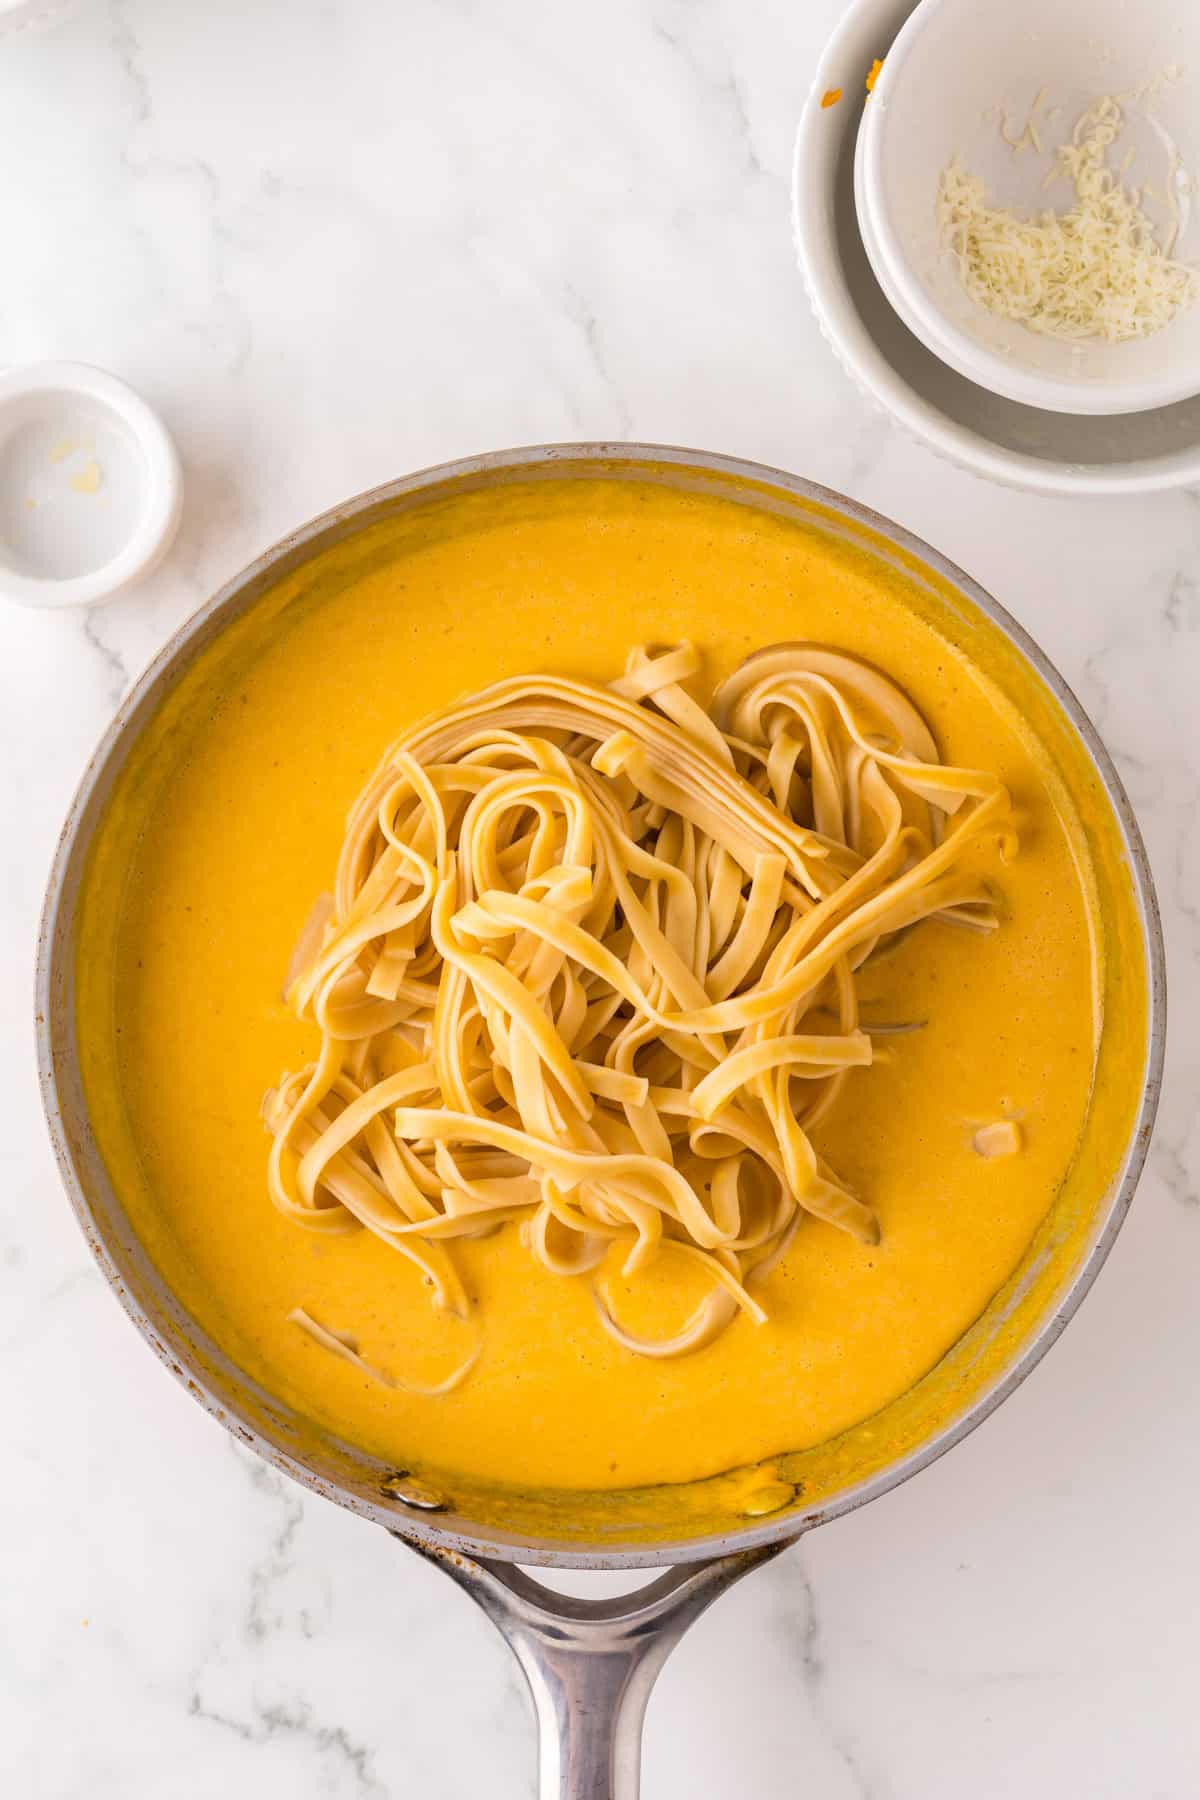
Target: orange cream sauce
241, 829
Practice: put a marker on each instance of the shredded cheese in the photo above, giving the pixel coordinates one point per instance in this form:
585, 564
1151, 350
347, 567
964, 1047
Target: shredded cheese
1097, 270
1029, 138
830, 97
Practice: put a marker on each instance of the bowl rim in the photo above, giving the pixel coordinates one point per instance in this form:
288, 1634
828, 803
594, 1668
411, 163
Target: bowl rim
858, 353
56, 1048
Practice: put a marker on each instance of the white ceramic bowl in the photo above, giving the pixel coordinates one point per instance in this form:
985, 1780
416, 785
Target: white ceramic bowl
90, 486
957, 72
1022, 446
32, 15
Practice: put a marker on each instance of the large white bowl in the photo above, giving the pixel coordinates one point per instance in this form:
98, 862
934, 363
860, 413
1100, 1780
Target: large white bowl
1022, 446
958, 70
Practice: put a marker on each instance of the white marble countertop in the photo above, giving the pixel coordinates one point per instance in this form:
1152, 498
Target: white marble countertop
333, 242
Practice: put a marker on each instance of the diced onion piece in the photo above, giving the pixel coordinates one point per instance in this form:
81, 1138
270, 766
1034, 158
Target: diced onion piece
1001, 1139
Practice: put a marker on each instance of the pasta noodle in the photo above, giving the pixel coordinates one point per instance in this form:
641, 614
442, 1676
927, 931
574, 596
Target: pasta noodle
589, 966
343, 1344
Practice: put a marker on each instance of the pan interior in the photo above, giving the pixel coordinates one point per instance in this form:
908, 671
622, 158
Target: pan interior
576, 1523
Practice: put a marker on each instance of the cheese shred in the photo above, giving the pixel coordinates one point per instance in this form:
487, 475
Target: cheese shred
1095, 271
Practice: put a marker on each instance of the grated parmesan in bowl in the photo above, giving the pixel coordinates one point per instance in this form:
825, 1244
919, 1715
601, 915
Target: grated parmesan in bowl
1023, 192
1096, 270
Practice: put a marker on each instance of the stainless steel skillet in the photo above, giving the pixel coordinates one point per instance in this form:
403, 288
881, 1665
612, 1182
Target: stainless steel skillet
591, 1665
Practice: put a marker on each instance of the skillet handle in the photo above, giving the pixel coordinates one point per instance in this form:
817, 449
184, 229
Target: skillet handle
591, 1664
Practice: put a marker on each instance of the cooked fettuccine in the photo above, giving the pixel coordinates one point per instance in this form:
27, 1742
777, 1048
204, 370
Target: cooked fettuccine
589, 966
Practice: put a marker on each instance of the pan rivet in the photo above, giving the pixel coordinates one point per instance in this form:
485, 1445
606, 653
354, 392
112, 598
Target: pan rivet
768, 1499
406, 1487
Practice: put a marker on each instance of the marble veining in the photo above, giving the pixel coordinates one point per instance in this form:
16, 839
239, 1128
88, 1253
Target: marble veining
332, 243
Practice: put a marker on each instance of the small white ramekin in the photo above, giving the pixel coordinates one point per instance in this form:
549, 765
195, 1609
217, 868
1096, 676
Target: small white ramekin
90, 486
32, 15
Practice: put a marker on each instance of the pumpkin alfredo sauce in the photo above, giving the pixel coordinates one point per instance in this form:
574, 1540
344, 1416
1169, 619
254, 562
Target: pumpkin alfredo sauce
920, 1117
